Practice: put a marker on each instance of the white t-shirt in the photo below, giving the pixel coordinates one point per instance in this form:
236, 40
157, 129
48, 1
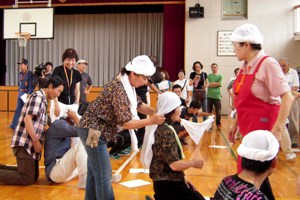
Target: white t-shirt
292, 77
185, 89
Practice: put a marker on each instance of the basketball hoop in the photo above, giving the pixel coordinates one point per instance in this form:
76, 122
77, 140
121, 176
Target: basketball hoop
22, 38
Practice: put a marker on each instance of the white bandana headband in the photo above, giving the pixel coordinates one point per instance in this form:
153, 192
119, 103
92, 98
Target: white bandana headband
259, 145
141, 65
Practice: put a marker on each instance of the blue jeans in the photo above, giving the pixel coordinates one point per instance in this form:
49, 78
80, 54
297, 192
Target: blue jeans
98, 182
17, 114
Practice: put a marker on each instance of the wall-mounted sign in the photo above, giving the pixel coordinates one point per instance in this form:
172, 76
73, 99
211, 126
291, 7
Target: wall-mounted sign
225, 47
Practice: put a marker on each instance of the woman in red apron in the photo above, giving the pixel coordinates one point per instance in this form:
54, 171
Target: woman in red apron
257, 89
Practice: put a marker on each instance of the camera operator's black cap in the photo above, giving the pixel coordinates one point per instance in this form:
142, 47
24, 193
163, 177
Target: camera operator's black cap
23, 61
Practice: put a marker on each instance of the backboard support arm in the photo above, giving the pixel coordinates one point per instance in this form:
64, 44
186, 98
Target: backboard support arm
19, 2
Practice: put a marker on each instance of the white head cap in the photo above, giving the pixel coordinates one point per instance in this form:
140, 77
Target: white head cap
81, 61
141, 65
247, 33
259, 145
167, 102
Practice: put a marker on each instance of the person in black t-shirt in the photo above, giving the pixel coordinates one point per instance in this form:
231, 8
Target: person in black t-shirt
198, 79
72, 78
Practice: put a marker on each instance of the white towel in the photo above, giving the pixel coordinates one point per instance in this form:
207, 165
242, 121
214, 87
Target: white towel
196, 130
131, 94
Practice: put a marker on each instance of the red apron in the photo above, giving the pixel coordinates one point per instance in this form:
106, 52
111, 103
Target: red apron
253, 113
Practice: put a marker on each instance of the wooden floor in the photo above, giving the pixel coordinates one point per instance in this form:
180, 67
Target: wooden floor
218, 164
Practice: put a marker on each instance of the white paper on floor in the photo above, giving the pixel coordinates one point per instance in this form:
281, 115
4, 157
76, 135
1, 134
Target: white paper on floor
217, 146
138, 170
135, 183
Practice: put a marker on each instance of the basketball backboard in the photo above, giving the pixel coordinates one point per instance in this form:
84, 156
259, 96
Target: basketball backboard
39, 22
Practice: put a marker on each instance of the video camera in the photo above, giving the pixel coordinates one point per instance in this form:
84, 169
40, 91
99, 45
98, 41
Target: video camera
39, 69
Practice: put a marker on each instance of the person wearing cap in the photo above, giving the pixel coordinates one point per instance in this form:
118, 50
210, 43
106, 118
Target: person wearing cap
263, 97
72, 77
25, 86
258, 151
27, 140
114, 109
162, 151
86, 81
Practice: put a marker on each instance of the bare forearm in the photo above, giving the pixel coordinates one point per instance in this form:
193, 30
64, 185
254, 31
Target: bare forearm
285, 107
136, 124
145, 109
181, 165
154, 88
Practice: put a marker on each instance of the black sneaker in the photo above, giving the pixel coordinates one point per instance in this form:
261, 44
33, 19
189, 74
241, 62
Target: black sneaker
294, 145
115, 156
182, 141
147, 197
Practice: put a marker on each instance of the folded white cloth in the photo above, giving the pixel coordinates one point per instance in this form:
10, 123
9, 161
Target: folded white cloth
196, 130
64, 108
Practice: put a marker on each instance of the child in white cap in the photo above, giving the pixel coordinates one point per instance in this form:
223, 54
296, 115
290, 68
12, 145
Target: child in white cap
258, 151
163, 152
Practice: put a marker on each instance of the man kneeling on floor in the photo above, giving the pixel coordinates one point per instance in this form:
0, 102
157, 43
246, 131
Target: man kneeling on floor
63, 159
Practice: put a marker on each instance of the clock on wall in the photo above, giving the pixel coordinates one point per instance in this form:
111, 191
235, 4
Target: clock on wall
234, 9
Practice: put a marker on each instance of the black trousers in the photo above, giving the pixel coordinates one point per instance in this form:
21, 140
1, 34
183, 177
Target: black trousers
123, 141
174, 190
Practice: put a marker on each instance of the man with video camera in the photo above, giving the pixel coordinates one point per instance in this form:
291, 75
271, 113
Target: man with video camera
42, 74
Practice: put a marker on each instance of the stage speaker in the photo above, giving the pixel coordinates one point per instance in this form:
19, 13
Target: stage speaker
196, 12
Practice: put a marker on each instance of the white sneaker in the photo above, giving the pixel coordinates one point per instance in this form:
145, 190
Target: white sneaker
290, 156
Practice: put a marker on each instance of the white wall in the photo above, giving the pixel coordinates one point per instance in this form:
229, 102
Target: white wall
274, 18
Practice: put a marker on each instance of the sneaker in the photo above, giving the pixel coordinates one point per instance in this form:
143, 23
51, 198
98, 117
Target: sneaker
295, 150
290, 156
147, 197
294, 145
182, 141
237, 135
125, 151
115, 156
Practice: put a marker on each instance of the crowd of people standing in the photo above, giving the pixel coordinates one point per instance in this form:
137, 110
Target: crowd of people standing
263, 94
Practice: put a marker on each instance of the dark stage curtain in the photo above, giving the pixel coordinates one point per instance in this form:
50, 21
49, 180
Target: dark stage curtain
2, 53
173, 49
